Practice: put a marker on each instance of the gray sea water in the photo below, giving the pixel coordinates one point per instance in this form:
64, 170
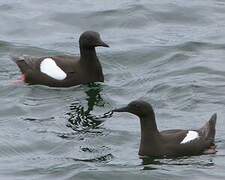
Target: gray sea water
169, 53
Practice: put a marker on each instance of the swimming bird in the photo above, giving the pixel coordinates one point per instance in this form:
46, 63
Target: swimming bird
170, 143
65, 71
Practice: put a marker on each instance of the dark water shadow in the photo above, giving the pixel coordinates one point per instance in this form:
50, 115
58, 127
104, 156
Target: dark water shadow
81, 118
152, 163
98, 159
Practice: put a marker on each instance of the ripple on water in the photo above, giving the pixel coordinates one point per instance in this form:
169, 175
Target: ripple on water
170, 54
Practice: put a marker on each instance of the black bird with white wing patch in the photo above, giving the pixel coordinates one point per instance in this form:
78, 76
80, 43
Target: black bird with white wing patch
170, 143
65, 71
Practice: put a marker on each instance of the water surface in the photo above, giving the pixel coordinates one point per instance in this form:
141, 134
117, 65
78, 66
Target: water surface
169, 53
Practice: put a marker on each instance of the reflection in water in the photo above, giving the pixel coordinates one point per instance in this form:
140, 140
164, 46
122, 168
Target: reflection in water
152, 163
81, 119
93, 96
103, 158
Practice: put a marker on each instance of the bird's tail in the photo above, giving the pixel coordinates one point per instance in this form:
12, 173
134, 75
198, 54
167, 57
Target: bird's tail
208, 130
16, 59
21, 63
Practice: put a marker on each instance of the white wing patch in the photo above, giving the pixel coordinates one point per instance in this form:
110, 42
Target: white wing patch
49, 67
191, 135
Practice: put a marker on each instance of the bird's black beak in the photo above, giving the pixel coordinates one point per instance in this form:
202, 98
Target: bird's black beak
103, 44
123, 109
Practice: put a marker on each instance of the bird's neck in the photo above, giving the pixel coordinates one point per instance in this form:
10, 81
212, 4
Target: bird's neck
88, 55
149, 136
90, 62
148, 127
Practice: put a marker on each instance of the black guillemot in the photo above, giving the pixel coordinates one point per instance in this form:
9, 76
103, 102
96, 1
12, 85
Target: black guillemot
170, 143
65, 71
